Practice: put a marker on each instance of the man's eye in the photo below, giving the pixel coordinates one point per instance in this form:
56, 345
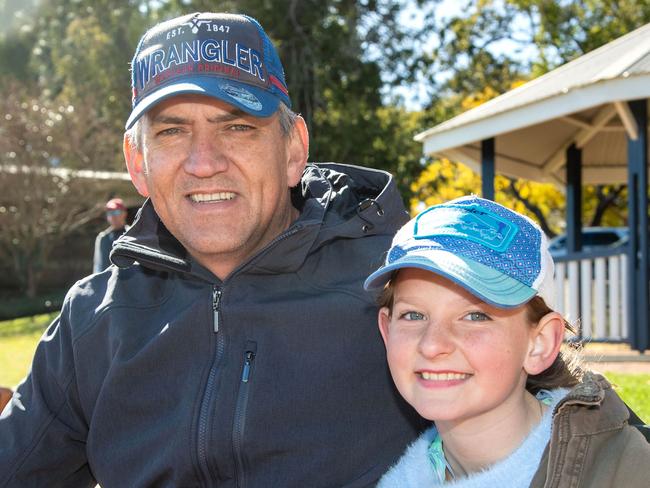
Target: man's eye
170, 131
412, 316
477, 317
240, 127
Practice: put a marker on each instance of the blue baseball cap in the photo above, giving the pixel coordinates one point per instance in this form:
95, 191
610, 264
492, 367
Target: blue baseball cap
496, 254
225, 56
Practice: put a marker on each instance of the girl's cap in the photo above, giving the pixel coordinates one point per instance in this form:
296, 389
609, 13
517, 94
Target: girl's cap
498, 255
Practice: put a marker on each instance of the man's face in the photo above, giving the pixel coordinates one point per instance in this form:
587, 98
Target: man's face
218, 178
116, 218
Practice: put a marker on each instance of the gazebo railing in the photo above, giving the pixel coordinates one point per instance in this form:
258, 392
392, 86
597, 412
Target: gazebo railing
591, 292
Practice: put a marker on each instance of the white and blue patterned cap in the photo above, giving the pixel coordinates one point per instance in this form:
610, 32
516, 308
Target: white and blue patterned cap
496, 254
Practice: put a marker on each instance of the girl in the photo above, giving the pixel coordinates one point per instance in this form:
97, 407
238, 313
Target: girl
473, 345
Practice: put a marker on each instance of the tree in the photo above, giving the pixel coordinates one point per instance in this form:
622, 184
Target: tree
40, 203
495, 44
81, 54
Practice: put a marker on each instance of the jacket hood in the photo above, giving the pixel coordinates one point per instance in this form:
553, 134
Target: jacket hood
335, 201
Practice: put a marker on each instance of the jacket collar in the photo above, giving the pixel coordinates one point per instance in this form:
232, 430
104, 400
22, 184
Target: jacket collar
334, 201
592, 391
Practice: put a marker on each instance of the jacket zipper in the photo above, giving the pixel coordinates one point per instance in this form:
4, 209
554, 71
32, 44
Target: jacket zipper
240, 411
216, 303
242, 400
204, 413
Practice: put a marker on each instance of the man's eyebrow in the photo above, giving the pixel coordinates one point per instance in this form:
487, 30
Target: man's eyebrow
173, 119
168, 119
227, 117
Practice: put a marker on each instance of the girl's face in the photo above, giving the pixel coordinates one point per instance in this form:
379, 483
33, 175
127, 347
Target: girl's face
452, 356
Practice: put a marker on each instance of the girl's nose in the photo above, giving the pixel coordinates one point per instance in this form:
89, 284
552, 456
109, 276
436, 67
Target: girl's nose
437, 339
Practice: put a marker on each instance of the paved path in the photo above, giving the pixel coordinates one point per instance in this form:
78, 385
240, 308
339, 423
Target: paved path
616, 358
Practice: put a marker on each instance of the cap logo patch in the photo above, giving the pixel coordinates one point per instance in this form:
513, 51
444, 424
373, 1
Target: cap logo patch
243, 96
470, 222
206, 55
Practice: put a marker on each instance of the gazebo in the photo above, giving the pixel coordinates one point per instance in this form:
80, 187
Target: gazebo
584, 122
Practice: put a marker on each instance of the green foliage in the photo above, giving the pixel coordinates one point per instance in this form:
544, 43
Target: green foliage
80, 56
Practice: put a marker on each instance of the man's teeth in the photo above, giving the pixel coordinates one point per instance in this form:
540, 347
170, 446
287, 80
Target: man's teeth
212, 197
443, 376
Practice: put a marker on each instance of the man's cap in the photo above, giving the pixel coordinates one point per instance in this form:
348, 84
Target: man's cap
496, 254
225, 56
115, 204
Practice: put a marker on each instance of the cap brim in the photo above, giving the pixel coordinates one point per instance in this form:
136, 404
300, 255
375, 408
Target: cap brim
251, 99
488, 284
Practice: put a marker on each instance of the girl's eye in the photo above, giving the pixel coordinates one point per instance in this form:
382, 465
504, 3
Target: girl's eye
477, 317
412, 316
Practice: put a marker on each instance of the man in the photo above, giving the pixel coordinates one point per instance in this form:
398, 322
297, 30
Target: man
116, 216
232, 345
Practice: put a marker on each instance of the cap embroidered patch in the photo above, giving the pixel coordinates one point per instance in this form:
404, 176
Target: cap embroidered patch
471, 222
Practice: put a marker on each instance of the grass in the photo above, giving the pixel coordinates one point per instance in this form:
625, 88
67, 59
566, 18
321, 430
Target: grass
635, 390
18, 339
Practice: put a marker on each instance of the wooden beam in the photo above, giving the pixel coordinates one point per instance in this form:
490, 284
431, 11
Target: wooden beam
573, 120
626, 116
579, 138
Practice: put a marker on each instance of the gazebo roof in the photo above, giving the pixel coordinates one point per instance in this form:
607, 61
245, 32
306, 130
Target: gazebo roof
535, 123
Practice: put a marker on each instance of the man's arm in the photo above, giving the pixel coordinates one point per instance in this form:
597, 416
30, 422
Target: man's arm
43, 429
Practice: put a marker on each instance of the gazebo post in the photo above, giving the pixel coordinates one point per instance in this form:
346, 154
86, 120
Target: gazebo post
487, 168
637, 154
573, 199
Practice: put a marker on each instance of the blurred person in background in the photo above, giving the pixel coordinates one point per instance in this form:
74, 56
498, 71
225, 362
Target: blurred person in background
116, 214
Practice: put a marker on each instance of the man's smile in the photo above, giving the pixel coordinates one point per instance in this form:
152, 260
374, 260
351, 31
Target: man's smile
211, 197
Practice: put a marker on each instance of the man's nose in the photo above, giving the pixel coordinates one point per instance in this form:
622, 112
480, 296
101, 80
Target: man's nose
207, 156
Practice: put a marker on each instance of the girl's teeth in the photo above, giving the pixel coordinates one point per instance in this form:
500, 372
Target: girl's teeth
443, 376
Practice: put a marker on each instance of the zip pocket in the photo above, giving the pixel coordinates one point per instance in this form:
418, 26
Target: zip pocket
239, 424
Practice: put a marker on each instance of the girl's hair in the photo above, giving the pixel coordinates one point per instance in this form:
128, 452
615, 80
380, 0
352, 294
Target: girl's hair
566, 370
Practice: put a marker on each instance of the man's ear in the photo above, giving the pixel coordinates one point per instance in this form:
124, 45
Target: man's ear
545, 342
298, 151
135, 164
383, 320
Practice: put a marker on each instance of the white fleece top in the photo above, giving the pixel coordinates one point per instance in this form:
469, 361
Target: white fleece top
414, 470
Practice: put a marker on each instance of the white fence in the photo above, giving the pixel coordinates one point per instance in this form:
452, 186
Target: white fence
591, 291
